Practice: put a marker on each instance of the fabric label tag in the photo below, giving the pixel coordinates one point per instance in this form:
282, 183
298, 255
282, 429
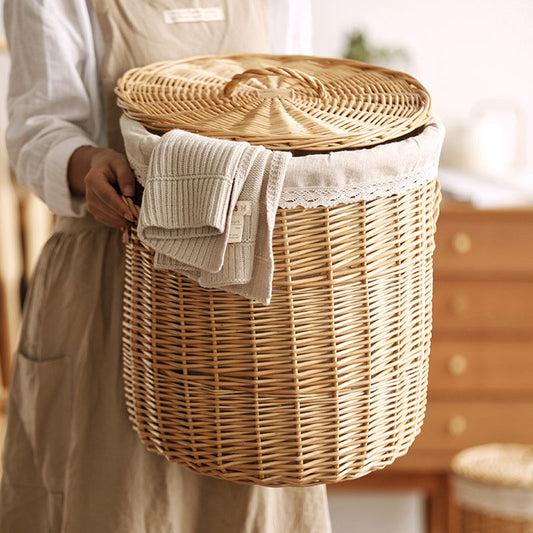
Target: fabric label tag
236, 228
242, 208
195, 14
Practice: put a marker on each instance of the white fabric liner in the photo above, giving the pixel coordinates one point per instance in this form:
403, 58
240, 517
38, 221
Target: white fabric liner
496, 500
333, 178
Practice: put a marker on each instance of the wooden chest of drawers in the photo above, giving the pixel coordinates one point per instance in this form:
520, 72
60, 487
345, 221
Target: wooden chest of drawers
481, 364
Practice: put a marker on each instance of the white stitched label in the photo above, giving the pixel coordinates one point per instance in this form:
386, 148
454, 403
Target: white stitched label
242, 208
195, 14
236, 228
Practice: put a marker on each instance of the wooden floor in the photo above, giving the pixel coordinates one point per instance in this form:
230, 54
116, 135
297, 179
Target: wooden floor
3, 409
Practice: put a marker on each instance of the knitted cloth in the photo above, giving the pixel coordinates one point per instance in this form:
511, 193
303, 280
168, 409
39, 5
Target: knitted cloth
208, 211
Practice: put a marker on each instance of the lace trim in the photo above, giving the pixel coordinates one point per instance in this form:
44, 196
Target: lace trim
332, 196
139, 171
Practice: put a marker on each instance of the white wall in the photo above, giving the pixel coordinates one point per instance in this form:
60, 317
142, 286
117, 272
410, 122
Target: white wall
370, 513
463, 51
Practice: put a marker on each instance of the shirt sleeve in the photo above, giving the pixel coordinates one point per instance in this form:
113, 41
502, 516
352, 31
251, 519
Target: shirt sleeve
290, 26
54, 101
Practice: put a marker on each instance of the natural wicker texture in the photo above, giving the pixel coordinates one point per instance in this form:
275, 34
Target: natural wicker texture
327, 383
494, 488
281, 102
472, 521
508, 465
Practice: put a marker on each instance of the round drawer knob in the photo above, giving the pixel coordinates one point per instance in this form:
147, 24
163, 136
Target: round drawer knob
457, 425
461, 243
457, 365
458, 304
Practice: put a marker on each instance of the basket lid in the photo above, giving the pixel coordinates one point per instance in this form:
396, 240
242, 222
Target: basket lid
280, 102
497, 464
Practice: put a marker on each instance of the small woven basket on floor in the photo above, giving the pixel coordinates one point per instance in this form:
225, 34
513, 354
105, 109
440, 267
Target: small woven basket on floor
326, 383
493, 487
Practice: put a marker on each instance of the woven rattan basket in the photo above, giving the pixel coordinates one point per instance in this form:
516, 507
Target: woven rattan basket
326, 383
494, 488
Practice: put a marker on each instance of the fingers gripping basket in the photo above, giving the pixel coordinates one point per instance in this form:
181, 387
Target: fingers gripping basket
326, 383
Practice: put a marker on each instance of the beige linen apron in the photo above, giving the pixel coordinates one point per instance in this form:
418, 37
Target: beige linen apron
137, 33
72, 462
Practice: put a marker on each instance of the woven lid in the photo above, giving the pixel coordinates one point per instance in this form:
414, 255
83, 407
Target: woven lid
498, 464
281, 102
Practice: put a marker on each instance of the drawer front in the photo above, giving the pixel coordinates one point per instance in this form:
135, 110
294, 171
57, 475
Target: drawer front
483, 307
481, 368
451, 426
485, 243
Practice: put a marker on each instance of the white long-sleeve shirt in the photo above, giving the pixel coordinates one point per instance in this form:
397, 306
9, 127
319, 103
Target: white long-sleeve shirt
55, 100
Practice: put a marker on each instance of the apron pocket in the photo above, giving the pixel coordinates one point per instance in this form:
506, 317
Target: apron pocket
41, 392
29, 509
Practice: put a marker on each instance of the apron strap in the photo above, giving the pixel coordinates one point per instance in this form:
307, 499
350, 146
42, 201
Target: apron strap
139, 32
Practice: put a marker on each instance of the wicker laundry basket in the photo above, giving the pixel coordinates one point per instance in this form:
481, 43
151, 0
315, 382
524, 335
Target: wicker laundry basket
328, 382
494, 488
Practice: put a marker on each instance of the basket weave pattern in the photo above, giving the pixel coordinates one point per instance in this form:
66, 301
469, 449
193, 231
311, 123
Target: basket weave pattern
327, 383
493, 486
480, 522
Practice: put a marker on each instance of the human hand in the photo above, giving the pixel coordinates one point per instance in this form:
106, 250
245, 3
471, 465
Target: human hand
102, 175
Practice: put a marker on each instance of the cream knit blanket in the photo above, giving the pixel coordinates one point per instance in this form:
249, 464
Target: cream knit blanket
209, 208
